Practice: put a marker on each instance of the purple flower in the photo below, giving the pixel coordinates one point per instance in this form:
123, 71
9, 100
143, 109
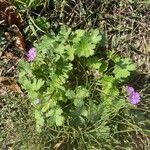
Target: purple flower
130, 89
133, 96
31, 54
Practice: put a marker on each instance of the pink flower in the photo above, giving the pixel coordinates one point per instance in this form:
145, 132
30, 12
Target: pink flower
133, 96
31, 54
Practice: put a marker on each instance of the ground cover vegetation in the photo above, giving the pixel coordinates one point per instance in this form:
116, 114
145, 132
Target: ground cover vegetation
75, 74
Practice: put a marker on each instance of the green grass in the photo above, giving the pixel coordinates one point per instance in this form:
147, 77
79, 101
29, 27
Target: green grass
130, 130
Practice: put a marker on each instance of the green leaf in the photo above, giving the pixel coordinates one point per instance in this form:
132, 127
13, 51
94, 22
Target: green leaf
26, 83
45, 44
59, 117
104, 66
46, 108
39, 120
55, 116
36, 84
24, 67
32, 94
78, 35
122, 68
109, 90
70, 53
50, 104
83, 48
85, 42
64, 33
93, 63
95, 36
70, 94
39, 84
50, 113
81, 94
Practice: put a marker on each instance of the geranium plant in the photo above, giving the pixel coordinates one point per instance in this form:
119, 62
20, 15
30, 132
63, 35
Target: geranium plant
65, 79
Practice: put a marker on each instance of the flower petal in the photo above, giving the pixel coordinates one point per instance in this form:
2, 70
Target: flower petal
31, 54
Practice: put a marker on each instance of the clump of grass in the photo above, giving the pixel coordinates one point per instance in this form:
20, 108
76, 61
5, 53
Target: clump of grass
18, 131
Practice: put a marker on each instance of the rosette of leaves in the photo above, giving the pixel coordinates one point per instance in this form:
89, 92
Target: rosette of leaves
47, 77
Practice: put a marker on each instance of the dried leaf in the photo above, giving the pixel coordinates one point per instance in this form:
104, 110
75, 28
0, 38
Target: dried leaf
10, 14
8, 83
19, 39
4, 4
8, 55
